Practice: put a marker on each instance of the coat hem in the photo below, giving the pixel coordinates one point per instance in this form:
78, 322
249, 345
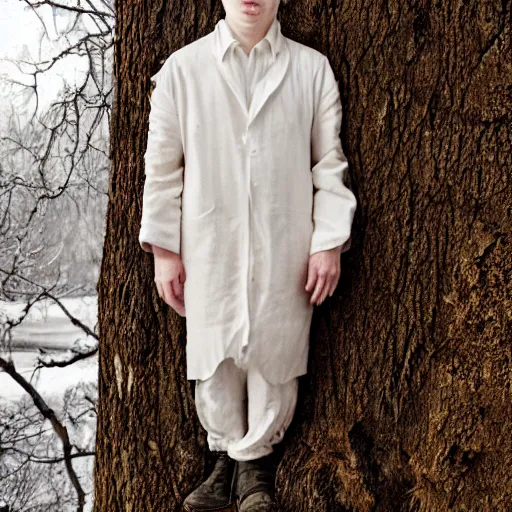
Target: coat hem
288, 376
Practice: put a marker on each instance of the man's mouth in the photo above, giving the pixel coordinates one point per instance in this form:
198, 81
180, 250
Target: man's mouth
250, 6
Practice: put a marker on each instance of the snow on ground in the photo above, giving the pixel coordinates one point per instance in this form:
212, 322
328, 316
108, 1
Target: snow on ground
47, 332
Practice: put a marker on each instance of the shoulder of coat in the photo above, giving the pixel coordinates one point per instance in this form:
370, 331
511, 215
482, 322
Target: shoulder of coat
306, 52
308, 60
192, 52
187, 58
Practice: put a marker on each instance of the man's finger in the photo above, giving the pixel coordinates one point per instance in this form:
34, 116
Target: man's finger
177, 302
334, 284
325, 291
170, 298
318, 289
312, 276
159, 288
177, 289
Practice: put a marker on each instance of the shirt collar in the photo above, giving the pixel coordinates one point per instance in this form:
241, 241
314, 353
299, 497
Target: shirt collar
227, 38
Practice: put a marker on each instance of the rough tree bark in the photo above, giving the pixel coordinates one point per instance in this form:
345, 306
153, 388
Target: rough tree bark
407, 405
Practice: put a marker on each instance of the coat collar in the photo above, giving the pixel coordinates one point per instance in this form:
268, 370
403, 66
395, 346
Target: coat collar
226, 38
275, 75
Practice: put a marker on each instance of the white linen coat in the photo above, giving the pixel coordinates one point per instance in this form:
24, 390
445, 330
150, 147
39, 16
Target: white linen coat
246, 197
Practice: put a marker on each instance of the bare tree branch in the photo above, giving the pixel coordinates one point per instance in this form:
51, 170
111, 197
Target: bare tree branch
58, 427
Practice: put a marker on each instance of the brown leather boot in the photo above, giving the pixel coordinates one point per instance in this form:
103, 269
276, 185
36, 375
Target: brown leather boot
255, 485
216, 493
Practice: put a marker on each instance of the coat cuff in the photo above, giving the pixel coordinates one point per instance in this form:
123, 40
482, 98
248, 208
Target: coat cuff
319, 243
160, 236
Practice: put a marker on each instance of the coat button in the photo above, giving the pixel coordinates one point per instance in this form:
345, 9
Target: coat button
254, 151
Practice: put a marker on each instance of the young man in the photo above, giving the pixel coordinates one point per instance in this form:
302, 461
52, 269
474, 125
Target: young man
246, 212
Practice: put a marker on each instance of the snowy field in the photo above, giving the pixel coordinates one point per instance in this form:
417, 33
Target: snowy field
47, 333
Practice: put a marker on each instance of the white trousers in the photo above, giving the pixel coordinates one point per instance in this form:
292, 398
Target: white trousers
242, 413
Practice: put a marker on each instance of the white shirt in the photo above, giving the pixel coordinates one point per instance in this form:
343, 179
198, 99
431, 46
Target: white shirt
248, 70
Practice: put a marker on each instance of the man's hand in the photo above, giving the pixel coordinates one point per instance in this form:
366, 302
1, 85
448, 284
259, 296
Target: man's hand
323, 274
169, 278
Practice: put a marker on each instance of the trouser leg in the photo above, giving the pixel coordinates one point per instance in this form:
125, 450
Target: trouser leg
221, 408
221, 404
270, 411
244, 415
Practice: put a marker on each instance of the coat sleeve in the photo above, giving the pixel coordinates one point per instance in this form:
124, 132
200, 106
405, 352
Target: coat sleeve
334, 204
164, 166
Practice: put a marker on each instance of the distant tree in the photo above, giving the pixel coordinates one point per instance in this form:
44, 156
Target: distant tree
41, 459
54, 160
407, 404
53, 192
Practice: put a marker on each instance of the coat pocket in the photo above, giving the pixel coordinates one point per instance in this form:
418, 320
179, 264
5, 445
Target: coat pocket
201, 235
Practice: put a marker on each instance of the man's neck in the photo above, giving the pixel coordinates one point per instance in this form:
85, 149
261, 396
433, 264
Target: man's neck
248, 36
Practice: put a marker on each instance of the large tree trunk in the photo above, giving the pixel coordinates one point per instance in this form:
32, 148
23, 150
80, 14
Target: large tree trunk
407, 405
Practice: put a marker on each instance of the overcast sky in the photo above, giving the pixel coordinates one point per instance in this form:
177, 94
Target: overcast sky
20, 36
